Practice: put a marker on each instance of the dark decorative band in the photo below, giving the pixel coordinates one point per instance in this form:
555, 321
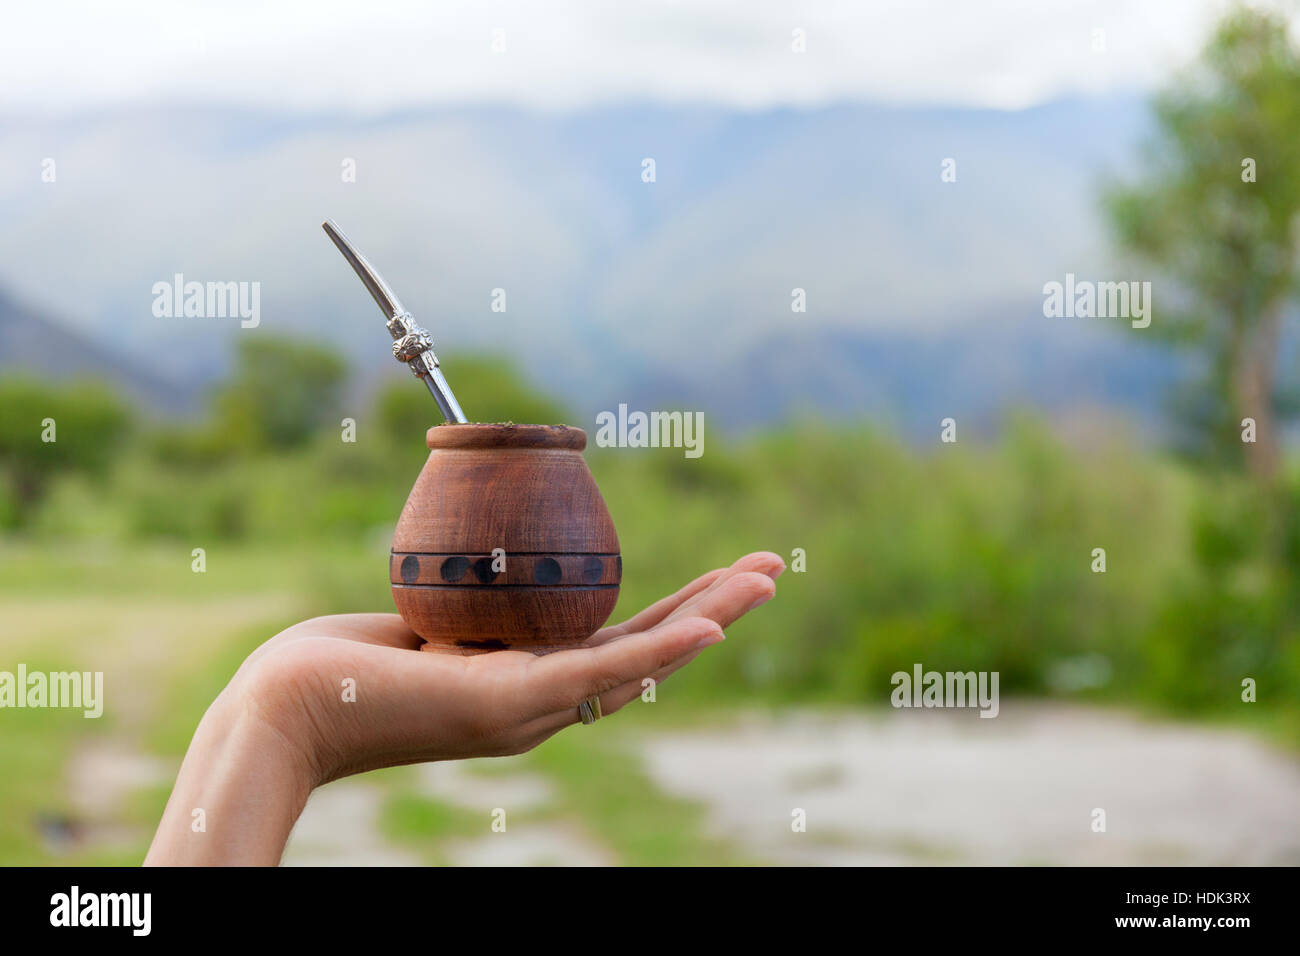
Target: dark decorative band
504, 587
560, 569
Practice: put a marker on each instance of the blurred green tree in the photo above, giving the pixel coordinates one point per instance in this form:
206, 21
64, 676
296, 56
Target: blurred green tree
47, 429
489, 389
281, 392
1217, 213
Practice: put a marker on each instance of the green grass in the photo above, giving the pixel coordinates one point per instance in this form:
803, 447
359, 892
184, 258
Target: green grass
602, 784
599, 785
35, 747
419, 823
965, 557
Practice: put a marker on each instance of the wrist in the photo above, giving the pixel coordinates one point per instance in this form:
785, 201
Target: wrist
239, 792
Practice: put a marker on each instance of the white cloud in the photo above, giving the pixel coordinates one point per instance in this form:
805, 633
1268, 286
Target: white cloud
376, 57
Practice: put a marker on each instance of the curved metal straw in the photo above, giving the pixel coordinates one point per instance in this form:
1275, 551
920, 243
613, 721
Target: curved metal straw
411, 343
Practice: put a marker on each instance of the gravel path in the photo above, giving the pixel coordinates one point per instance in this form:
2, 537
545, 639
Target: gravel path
340, 825
887, 788
905, 787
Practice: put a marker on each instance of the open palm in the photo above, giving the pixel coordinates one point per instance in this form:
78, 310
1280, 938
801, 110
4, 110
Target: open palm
354, 692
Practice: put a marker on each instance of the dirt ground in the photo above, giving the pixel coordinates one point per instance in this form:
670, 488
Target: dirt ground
906, 787
902, 788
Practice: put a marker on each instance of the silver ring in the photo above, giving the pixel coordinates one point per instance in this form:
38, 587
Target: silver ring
589, 710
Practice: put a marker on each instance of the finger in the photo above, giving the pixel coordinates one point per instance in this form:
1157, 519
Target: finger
562, 680
761, 562
610, 701
614, 700
730, 599
733, 600
655, 613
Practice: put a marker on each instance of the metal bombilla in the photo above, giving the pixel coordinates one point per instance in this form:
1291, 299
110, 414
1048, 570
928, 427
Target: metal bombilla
412, 344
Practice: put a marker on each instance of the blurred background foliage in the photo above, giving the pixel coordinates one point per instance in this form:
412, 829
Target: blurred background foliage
978, 555
1215, 213
962, 556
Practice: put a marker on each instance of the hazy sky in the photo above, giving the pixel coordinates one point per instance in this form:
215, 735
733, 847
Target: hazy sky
372, 56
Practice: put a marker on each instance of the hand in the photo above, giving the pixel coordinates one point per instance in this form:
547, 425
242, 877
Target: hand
283, 726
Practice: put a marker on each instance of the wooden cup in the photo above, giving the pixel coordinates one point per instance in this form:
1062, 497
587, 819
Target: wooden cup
505, 542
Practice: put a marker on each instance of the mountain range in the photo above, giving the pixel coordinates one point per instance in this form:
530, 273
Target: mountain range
922, 295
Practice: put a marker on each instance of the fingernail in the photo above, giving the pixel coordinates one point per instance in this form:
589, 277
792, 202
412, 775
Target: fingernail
761, 601
710, 640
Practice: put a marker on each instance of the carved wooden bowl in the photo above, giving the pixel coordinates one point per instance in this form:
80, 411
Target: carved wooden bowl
505, 542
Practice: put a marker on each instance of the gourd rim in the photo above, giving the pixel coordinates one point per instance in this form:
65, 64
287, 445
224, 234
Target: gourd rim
505, 435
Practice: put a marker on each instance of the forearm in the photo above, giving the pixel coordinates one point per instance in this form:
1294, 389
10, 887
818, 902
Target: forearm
240, 789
